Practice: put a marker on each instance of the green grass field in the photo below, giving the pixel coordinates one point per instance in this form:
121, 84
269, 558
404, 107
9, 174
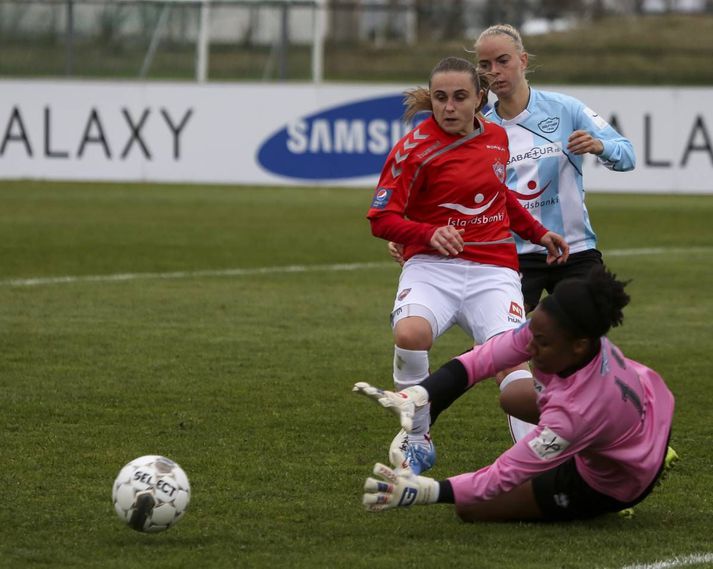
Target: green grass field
229, 342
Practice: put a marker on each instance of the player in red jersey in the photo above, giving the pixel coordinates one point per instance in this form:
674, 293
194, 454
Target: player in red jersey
442, 194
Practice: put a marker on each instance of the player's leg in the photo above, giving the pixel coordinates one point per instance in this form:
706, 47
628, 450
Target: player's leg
559, 494
413, 337
496, 307
534, 273
518, 504
518, 398
578, 265
422, 311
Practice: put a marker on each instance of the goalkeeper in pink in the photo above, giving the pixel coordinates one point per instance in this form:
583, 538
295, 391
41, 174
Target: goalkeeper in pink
603, 420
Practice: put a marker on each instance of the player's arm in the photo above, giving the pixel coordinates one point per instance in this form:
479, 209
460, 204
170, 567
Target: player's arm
388, 222
387, 213
543, 449
554, 441
446, 240
593, 135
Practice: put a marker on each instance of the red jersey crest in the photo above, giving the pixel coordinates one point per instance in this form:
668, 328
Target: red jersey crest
499, 169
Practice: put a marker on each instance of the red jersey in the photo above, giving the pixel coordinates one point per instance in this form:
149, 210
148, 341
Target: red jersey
432, 178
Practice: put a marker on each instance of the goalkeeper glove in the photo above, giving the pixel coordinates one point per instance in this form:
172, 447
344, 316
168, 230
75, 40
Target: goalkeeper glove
403, 403
398, 489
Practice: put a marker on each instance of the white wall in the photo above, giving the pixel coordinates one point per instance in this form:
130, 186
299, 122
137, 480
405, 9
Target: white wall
299, 133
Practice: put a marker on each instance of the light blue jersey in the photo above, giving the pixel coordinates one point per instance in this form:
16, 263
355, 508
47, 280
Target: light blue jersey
546, 178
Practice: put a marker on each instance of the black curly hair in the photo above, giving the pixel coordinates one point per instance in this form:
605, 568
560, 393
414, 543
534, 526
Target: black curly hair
588, 307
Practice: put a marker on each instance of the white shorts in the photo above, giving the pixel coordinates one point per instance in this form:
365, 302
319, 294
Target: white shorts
484, 300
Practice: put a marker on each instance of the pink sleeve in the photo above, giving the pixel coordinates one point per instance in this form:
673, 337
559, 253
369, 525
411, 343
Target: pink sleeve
500, 352
541, 450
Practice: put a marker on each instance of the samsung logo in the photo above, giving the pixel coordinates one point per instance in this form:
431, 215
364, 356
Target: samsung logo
348, 141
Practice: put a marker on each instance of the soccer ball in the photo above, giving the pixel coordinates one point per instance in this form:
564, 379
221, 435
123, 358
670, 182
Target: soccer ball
151, 493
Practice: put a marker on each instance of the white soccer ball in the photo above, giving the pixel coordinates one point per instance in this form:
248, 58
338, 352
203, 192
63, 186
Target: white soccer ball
151, 493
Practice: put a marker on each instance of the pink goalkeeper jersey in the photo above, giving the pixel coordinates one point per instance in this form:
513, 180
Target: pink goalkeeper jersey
614, 416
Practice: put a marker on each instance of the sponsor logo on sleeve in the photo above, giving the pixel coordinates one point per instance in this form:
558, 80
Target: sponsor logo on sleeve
381, 198
548, 445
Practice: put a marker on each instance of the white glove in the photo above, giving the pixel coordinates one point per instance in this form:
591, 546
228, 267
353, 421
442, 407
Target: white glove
398, 489
402, 403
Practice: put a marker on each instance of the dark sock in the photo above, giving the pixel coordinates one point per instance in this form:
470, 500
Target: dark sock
445, 492
444, 386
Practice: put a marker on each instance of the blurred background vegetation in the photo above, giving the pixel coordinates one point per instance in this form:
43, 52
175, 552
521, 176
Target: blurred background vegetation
627, 42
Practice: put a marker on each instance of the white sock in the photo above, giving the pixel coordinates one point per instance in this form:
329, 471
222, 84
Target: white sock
518, 427
411, 368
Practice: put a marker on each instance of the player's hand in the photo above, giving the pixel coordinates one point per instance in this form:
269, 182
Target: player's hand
397, 489
581, 142
447, 240
557, 248
402, 403
396, 250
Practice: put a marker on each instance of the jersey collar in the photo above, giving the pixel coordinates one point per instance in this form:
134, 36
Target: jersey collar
518, 118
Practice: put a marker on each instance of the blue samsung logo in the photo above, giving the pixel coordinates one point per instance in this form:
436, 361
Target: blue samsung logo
348, 141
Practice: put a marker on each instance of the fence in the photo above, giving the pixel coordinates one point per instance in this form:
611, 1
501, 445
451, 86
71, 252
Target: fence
264, 40
128, 37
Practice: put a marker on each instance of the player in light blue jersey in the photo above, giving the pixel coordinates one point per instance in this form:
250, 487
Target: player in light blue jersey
549, 134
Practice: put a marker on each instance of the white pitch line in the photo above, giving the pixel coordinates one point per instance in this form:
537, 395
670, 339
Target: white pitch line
684, 561
655, 251
194, 274
118, 277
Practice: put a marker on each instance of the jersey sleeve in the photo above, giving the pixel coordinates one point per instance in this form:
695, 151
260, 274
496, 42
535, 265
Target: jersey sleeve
500, 352
393, 227
387, 214
521, 222
618, 153
554, 441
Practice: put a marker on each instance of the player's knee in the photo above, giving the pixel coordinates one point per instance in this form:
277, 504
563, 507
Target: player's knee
517, 392
519, 399
508, 401
413, 334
